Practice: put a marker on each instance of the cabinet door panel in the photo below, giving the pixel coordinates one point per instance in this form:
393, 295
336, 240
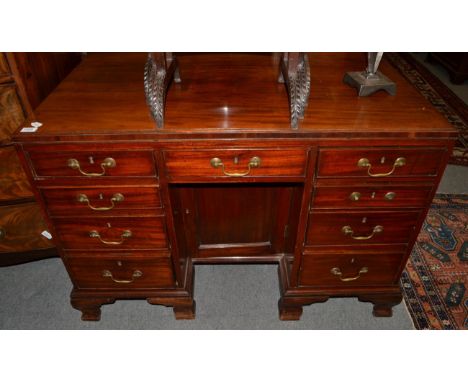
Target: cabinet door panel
11, 111
13, 181
5, 74
21, 227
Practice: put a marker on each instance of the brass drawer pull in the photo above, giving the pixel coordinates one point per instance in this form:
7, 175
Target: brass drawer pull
2, 233
355, 196
107, 163
136, 274
390, 195
364, 162
253, 163
125, 235
83, 198
347, 230
337, 272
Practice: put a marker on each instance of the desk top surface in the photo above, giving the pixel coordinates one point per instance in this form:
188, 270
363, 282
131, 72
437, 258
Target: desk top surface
230, 94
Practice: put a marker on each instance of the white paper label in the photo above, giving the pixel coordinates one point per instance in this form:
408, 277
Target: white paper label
46, 234
34, 126
29, 129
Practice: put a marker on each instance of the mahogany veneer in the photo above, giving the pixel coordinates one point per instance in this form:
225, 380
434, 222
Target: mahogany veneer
25, 80
228, 181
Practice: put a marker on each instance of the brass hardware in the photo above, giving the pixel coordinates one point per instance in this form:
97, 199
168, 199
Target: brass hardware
364, 162
347, 230
216, 162
125, 235
253, 163
83, 198
2, 233
355, 196
107, 163
337, 272
390, 195
136, 274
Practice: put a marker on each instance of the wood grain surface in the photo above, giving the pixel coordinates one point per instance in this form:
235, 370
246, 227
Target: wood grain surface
11, 112
22, 226
14, 184
289, 210
88, 273
147, 233
325, 228
225, 93
142, 200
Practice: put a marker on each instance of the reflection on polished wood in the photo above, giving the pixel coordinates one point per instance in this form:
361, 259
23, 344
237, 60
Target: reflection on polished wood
231, 92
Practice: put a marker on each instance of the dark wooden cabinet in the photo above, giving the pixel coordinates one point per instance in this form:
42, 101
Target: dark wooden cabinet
456, 63
337, 203
25, 80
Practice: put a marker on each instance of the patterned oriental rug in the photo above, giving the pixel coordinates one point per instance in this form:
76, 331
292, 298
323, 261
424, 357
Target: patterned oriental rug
443, 99
435, 280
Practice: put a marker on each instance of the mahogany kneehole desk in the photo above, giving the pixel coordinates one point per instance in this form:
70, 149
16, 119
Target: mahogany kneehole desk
337, 203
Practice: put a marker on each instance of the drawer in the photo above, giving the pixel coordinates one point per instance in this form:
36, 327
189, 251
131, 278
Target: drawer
130, 254
112, 233
380, 163
235, 163
92, 164
102, 201
13, 181
374, 196
347, 270
20, 228
120, 272
360, 227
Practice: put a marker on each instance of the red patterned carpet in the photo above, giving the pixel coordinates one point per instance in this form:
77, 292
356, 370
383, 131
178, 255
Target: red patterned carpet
443, 99
435, 280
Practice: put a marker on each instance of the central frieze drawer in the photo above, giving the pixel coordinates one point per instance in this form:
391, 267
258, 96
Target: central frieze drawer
122, 273
360, 227
235, 163
92, 164
102, 201
112, 233
380, 162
